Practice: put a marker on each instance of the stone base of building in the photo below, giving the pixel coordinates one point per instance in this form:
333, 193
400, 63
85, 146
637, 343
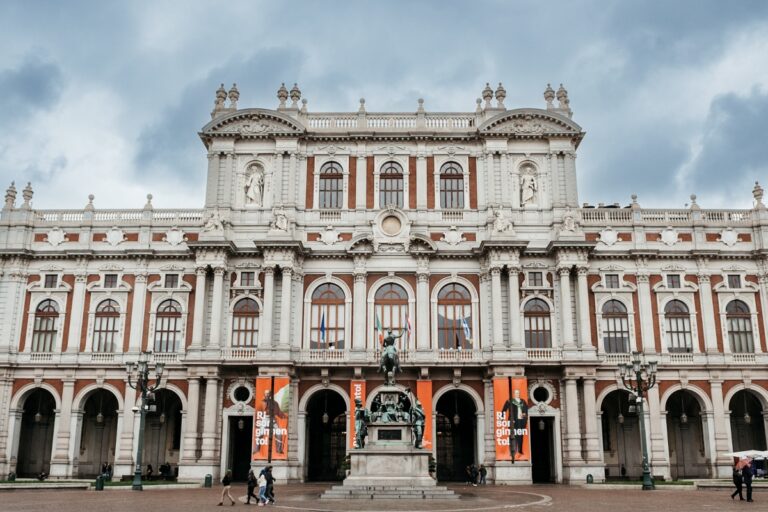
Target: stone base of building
197, 472
506, 473
578, 473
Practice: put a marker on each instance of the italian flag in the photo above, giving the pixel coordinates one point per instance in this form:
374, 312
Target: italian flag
379, 330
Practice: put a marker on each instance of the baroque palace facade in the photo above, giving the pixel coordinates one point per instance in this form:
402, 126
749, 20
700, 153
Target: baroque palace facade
320, 231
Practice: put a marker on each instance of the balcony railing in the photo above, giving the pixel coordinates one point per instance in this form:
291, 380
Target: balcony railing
663, 217
616, 359
323, 354
543, 354
432, 121
167, 357
238, 353
743, 358
460, 355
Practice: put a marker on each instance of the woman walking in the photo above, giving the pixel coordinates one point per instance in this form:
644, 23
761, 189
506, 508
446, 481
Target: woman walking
251, 487
737, 481
262, 482
227, 483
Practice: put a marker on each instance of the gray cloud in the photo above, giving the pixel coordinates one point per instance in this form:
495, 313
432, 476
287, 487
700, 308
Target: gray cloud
32, 85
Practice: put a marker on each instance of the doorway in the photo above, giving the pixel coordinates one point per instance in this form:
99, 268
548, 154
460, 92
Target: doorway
326, 436
542, 450
240, 439
36, 439
456, 431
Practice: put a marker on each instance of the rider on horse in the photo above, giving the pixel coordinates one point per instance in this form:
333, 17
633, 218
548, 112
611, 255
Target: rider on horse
389, 351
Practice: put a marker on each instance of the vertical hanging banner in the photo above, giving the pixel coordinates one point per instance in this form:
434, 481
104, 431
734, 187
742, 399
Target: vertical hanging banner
424, 395
273, 402
356, 391
501, 424
519, 438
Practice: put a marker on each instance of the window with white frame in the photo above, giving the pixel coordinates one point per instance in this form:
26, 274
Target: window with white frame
171, 280
45, 327
106, 326
739, 321
612, 280
673, 280
390, 306
247, 279
677, 324
51, 280
391, 185
331, 186
451, 186
615, 327
734, 281
454, 317
110, 280
168, 326
537, 324
327, 317
245, 323
535, 279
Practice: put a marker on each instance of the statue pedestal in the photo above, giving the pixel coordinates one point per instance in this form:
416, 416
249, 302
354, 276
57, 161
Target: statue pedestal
389, 467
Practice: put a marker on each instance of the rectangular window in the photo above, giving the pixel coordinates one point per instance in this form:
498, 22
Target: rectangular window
673, 281
247, 278
734, 281
172, 280
110, 281
535, 279
51, 280
612, 280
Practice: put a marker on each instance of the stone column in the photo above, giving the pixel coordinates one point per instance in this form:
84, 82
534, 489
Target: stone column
646, 314
593, 448
585, 328
285, 309
278, 179
209, 421
572, 424
722, 445
212, 186
498, 319
6, 383
504, 176
76, 315
291, 179
360, 186
216, 307
515, 334
198, 327
565, 307
137, 317
124, 459
226, 201
762, 280
421, 181
658, 443
423, 336
708, 316
60, 461
189, 449
266, 314
359, 310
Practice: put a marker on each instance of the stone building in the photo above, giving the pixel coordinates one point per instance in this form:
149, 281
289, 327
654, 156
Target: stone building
320, 231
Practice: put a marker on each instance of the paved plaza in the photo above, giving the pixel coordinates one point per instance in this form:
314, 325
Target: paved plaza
305, 497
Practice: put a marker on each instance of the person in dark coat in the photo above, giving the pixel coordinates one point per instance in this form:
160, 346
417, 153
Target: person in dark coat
251, 488
270, 494
737, 481
483, 473
473, 474
746, 475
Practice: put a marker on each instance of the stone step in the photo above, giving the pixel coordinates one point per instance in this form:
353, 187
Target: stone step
384, 492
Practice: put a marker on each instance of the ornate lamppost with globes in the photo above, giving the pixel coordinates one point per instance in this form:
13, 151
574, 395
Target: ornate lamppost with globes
638, 376
138, 379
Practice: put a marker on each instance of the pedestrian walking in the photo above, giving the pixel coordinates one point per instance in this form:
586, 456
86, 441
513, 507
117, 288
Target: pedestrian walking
746, 476
262, 483
270, 492
251, 487
473, 475
226, 482
737, 481
483, 474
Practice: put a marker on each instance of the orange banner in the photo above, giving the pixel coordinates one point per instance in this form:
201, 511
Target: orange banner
356, 391
273, 394
424, 395
501, 423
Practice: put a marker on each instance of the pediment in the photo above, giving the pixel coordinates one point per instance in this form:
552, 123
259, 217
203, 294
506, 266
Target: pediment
253, 123
530, 123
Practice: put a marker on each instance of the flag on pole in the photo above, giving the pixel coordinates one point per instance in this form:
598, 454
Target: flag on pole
322, 328
408, 326
379, 330
467, 332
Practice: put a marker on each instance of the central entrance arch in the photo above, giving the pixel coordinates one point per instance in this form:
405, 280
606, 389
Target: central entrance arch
162, 432
621, 436
98, 433
36, 437
456, 431
685, 434
326, 435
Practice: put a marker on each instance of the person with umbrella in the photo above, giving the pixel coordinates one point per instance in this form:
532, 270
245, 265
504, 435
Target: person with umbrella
738, 478
746, 476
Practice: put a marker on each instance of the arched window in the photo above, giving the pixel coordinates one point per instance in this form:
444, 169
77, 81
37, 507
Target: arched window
106, 326
451, 186
454, 317
391, 187
46, 326
739, 327
245, 323
538, 329
168, 326
331, 193
677, 321
327, 317
390, 306
615, 327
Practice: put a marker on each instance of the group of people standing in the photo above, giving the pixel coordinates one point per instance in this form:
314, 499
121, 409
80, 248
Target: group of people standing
264, 481
476, 475
743, 472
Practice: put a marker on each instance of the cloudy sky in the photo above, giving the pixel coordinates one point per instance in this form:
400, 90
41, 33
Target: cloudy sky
107, 97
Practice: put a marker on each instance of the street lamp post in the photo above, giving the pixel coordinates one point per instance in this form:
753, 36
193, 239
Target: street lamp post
638, 376
138, 379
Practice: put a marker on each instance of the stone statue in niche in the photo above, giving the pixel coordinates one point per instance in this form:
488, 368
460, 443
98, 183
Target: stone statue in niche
528, 189
254, 186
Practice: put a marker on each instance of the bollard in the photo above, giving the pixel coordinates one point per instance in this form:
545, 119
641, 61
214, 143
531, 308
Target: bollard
590, 479
208, 481
100, 483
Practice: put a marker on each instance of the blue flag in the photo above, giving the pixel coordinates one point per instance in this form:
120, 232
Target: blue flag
322, 328
467, 332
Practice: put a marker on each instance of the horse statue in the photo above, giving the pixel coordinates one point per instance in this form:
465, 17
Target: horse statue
390, 361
